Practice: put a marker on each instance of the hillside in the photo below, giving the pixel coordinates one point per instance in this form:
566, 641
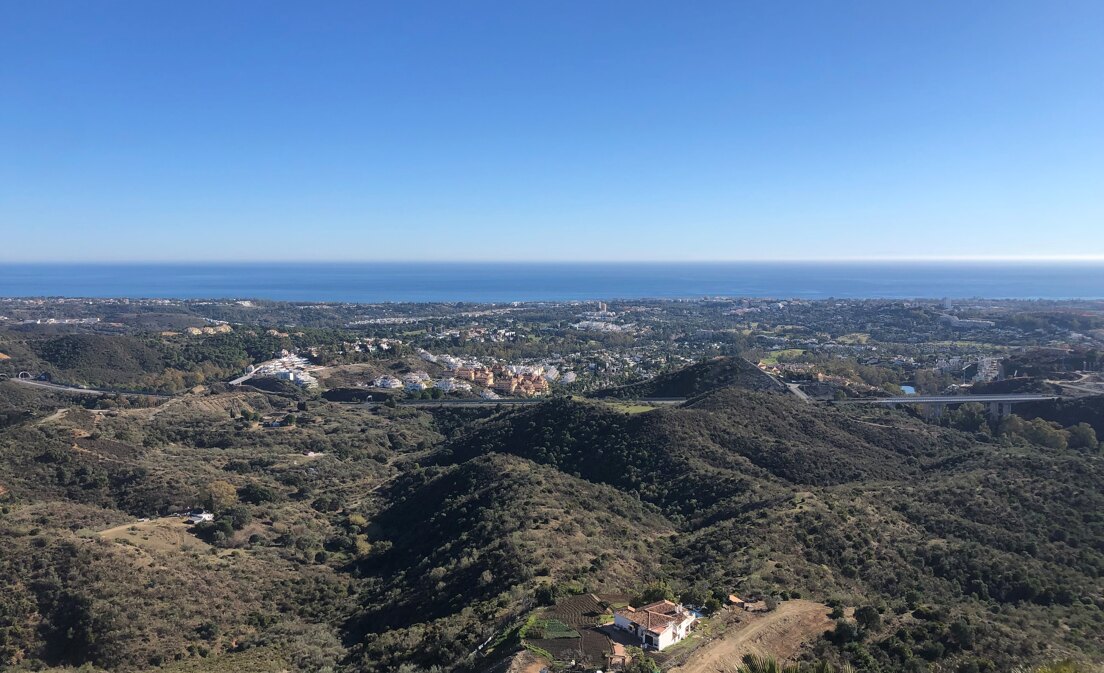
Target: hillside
696, 379
142, 361
373, 539
462, 548
722, 445
774, 495
1023, 384
1068, 412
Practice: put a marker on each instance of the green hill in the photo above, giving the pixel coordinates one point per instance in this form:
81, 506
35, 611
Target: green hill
88, 359
391, 539
690, 458
461, 548
696, 379
773, 495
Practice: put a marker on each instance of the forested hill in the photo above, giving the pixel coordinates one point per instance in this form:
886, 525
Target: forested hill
384, 539
724, 444
696, 379
976, 552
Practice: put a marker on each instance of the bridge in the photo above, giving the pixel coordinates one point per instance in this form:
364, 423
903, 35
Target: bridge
1000, 406
517, 401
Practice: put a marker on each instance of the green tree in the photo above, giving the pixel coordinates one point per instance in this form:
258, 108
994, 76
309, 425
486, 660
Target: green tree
238, 516
256, 494
219, 495
640, 662
868, 618
1012, 425
1083, 436
657, 591
1043, 433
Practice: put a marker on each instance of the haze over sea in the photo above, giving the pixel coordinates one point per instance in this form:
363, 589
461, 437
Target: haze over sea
502, 282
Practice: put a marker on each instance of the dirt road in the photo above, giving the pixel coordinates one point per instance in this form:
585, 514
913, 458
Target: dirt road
779, 634
164, 534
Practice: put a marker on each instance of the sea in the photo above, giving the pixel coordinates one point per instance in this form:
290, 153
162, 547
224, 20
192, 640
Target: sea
369, 282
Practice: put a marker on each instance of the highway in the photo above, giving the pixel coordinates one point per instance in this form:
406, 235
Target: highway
74, 390
951, 399
518, 401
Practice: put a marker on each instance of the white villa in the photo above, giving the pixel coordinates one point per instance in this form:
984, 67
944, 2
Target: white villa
657, 625
387, 381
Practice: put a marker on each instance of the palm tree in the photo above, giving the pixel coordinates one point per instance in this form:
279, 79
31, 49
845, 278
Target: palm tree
757, 664
825, 667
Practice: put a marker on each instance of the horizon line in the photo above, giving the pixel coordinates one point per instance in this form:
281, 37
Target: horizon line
743, 260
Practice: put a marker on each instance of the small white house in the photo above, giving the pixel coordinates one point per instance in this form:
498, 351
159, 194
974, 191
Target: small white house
658, 625
198, 516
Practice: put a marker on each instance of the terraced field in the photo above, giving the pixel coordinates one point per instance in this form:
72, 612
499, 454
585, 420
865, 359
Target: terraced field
580, 613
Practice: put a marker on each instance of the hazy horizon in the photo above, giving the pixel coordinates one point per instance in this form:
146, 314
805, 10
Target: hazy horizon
506, 281
1026, 260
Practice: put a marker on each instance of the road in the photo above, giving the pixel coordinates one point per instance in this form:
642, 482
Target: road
241, 379
74, 390
950, 399
795, 388
780, 633
518, 401
1077, 385
245, 377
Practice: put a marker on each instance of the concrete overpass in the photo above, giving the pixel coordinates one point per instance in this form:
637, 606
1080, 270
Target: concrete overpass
1000, 406
520, 401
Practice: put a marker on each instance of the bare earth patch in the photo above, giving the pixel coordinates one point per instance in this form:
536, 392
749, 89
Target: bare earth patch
779, 634
527, 662
164, 534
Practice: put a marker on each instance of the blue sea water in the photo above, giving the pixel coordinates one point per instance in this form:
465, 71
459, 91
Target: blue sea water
501, 282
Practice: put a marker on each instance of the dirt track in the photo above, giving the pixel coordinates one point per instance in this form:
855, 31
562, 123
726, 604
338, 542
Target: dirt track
779, 634
527, 662
163, 534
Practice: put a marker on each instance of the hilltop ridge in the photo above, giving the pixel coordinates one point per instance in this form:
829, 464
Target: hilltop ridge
696, 379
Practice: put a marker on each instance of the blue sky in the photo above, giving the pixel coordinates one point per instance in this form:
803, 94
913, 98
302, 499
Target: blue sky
596, 130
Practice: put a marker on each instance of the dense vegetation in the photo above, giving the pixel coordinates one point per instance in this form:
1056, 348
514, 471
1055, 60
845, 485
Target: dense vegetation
349, 538
168, 362
971, 554
696, 379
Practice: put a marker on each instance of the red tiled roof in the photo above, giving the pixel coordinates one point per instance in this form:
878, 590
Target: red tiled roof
655, 617
662, 607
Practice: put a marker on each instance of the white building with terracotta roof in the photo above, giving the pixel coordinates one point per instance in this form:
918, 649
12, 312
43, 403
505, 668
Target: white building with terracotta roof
657, 625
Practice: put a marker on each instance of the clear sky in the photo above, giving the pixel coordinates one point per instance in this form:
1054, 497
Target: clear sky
619, 130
